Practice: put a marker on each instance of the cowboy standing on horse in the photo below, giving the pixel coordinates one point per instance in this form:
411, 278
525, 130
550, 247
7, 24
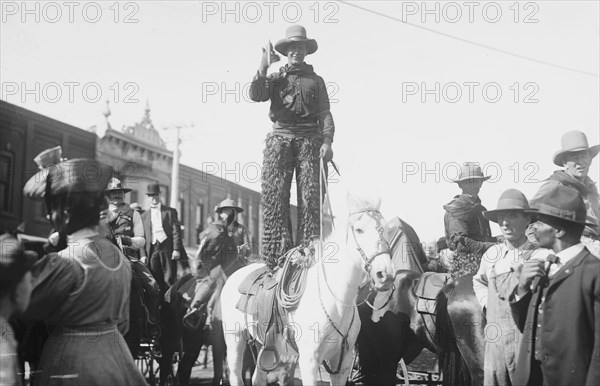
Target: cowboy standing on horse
303, 132
576, 157
468, 233
495, 280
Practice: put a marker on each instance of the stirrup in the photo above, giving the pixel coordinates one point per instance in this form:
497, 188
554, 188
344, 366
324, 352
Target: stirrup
259, 359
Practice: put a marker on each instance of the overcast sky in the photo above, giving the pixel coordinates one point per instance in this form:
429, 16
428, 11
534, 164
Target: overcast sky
415, 90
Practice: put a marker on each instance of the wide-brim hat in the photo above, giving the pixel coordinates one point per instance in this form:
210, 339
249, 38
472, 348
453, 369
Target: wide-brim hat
471, 171
228, 203
116, 184
510, 200
571, 142
49, 157
153, 190
563, 203
296, 33
71, 176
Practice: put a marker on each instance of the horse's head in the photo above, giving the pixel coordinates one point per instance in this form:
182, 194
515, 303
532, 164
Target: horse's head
367, 229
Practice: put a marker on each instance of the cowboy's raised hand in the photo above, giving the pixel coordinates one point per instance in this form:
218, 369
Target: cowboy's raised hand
176, 255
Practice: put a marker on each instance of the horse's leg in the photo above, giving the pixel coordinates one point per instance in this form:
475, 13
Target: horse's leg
235, 342
169, 340
341, 378
192, 344
217, 340
308, 366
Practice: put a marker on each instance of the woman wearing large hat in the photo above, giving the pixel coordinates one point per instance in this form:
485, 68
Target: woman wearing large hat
302, 132
468, 233
82, 291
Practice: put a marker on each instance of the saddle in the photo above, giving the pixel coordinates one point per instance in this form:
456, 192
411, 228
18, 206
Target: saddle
275, 342
427, 289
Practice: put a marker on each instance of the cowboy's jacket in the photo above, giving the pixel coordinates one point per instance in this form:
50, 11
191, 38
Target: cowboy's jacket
299, 101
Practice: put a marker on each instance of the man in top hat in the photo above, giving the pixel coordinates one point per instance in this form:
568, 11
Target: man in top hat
495, 281
575, 156
303, 131
127, 232
557, 304
468, 233
164, 240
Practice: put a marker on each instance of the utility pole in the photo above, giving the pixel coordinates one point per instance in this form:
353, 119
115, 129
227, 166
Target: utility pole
175, 172
174, 202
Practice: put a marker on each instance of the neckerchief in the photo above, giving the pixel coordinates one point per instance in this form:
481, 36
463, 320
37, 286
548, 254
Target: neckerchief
464, 207
302, 69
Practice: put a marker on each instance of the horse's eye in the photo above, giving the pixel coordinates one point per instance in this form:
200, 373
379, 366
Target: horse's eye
359, 231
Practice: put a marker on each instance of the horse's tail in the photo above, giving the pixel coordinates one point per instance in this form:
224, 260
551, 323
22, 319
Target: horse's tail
453, 366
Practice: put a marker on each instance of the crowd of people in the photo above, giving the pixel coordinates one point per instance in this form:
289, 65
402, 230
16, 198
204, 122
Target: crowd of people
108, 265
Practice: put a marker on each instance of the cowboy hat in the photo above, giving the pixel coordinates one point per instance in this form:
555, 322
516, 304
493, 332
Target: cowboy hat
71, 176
563, 203
296, 33
573, 141
510, 200
49, 157
471, 171
153, 190
115, 184
228, 203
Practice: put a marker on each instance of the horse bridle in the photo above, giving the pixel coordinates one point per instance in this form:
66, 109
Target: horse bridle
383, 246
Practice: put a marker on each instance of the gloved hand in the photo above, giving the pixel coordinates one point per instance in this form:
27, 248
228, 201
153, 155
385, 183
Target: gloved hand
126, 240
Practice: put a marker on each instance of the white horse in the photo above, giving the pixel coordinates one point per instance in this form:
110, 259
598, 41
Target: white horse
327, 311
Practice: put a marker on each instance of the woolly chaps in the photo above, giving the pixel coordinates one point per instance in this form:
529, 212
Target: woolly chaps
283, 156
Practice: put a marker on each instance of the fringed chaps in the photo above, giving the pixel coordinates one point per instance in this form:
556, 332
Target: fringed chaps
283, 156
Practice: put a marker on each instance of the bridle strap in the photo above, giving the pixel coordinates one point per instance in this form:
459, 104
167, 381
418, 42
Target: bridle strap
382, 246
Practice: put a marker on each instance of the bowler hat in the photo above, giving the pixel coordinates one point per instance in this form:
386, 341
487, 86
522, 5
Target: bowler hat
471, 171
571, 142
296, 33
153, 190
228, 203
115, 184
510, 200
562, 203
71, 176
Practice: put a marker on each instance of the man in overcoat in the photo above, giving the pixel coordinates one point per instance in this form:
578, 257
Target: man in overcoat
556, 304
164, 244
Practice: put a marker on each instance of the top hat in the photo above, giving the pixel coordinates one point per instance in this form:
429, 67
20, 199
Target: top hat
71, 176
510, 200
153, 190
471, 171
115, 184
296, 33
563, 203
571, 142
228, 203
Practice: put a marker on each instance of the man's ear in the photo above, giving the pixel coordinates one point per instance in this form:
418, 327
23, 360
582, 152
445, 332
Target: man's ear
560, 232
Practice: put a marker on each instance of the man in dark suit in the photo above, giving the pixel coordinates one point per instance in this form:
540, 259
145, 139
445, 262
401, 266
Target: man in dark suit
557, 304
163, 235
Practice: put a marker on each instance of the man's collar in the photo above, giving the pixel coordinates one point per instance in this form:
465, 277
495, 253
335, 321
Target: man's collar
82, 234
569, 253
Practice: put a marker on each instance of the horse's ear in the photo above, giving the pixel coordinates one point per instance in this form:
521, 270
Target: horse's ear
361, 202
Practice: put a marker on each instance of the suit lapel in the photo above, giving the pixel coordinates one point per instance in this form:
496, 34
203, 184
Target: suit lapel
567, 270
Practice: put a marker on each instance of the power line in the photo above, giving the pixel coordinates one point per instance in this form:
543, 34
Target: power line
514, 54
